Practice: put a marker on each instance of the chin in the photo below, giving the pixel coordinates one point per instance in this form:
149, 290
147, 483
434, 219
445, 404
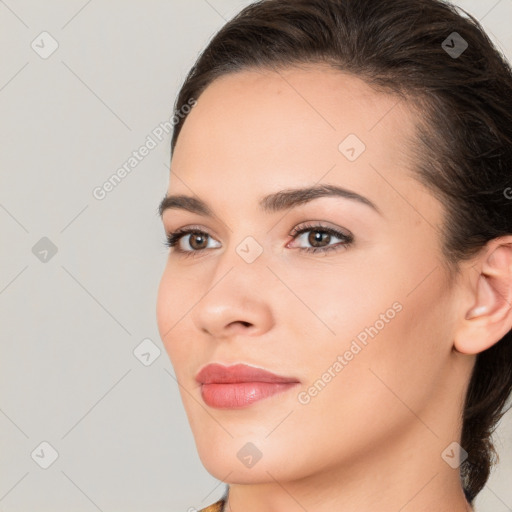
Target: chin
248, 460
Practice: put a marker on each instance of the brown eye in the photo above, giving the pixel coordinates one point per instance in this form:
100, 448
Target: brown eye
198, 241
189, 240
320, 238
317, 238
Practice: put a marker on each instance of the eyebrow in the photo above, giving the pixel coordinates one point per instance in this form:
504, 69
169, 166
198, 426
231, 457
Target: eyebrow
275, 202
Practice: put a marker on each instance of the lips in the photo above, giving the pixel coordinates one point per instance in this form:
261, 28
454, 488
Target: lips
219, 374
233, 387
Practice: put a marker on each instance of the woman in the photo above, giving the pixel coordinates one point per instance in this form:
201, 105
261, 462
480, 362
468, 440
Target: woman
337, 297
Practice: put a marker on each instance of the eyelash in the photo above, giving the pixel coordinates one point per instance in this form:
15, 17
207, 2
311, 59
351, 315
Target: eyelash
174, 237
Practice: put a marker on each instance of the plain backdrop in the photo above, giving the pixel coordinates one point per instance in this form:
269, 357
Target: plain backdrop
90, 412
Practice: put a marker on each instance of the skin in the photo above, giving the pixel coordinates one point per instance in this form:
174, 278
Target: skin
373, 437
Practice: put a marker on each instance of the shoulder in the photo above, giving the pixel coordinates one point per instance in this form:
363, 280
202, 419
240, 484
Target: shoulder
215, 507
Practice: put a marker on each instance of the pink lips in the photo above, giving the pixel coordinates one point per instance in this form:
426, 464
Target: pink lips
239, 385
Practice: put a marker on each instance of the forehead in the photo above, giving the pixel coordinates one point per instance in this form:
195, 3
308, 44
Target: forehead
247, 112
264, 130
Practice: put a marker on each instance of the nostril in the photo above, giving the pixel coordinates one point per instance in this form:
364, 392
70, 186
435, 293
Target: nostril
245, 324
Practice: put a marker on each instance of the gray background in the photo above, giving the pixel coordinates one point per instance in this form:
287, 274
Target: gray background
70, 321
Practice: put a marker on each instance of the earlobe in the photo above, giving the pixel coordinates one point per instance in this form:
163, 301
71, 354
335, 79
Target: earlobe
490, 316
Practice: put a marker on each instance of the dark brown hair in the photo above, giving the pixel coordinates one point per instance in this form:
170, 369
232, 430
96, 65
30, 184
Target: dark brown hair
463, 145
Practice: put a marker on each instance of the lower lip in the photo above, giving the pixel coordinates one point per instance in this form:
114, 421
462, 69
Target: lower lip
241, 394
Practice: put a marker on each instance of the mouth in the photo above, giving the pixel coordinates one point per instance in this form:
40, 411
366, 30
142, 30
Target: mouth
241, 394
240, 385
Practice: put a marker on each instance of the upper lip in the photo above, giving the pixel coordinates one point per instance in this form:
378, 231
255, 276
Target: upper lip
217, 373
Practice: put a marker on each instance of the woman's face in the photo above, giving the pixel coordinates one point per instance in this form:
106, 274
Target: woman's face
364, 327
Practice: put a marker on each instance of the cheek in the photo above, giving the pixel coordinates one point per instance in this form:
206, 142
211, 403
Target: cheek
375, 387
400, 365
392, 342
178, 293
335, 304
174, 299
164, 305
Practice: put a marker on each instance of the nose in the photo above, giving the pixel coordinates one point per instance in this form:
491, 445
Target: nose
235, 303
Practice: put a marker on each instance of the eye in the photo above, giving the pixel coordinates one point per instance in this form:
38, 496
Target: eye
193, 240
189, 240
320, 238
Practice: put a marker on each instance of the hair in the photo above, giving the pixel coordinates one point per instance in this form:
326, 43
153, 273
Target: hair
462, 146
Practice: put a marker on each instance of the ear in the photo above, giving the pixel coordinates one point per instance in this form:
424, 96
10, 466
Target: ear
490, 316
